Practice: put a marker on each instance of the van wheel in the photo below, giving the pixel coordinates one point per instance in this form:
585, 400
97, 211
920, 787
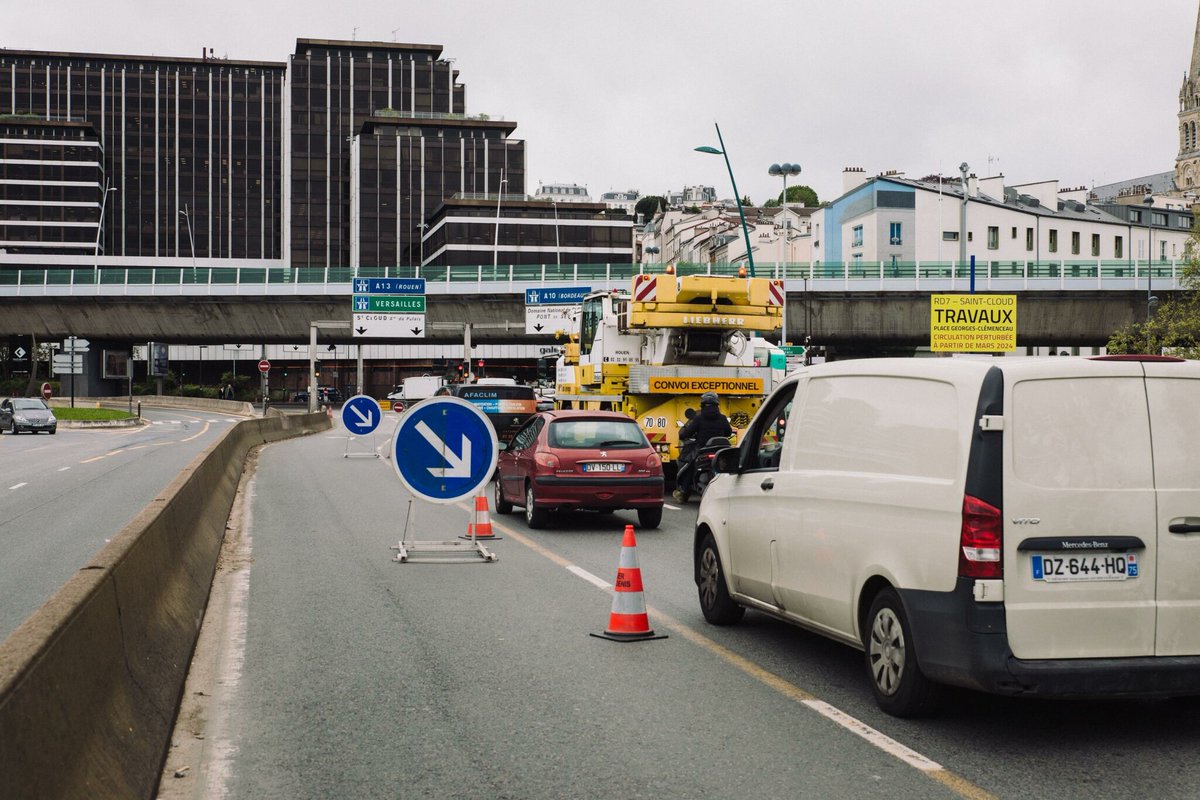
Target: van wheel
715, 603
534, 517
901, 689
502, 505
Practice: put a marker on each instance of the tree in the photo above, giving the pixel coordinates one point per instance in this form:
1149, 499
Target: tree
797, 194
1175, 324
648, 205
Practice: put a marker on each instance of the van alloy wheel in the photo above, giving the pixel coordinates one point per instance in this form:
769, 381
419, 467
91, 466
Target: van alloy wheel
715, 603
893, 664
887, 652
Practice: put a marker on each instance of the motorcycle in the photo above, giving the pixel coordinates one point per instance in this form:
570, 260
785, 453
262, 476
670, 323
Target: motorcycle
696, 463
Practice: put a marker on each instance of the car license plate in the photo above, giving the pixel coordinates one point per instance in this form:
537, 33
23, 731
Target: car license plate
1099, 567
603, 466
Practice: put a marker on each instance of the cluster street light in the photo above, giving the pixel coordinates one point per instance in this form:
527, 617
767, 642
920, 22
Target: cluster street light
1151, 300
737, 197
783, 170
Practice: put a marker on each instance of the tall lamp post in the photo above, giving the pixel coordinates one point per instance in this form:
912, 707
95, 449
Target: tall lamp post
557, 247
496, 245
784, 170
741, 214
100, 224
191, 242
1151, 300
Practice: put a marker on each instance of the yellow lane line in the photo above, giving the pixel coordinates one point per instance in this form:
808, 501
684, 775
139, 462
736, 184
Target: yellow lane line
952, 781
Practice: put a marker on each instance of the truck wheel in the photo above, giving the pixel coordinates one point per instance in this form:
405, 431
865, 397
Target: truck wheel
901, 689
715, 603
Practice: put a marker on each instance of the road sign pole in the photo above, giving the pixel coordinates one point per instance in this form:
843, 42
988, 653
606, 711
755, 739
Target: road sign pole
72, 341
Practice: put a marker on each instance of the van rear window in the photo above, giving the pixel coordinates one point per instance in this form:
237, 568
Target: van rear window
1092, 433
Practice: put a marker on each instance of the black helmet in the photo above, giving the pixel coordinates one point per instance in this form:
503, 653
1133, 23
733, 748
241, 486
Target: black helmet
708, 399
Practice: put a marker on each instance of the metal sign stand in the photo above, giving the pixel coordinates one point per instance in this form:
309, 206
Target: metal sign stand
447, 552
373, 451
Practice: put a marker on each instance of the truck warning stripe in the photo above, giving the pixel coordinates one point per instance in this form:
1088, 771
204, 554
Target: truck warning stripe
775, 297
646, 290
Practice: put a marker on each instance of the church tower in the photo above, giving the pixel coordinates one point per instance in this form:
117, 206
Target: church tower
1187, 163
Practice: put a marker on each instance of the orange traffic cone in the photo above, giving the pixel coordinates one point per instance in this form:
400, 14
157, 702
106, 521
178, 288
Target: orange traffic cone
483, 523
628, 621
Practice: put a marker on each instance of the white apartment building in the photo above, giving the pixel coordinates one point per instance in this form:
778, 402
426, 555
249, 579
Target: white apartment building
562, 193
891, 220
714, 236
621, 201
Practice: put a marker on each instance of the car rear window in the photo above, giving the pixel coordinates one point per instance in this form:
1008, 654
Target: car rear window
589, 434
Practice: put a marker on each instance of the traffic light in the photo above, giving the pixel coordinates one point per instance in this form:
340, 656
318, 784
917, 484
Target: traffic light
482, 374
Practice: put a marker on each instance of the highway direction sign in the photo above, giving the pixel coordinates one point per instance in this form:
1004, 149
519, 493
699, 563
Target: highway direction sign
80, 346
404, 303
389, 326
444, 449
388, 286
548, 319
571, 295
361, 415
65, 365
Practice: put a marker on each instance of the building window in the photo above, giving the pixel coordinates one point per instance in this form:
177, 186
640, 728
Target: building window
857, 260
894, 234
1029, 239
1096, 244
949, 236
1075, 243
1135, 215
857, 239
1053, 241
993, 237
1014, 232
1158, 218
1118, 247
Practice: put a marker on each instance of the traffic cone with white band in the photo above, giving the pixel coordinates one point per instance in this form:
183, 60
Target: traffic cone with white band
628, 621
483, 522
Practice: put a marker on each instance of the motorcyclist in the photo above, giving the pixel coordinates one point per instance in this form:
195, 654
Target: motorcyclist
708, 423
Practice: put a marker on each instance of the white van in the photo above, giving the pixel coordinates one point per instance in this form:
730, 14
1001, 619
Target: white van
1019, 526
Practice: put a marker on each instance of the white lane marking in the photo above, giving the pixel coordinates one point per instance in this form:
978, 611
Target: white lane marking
63, 469
673, 508
884, 742
19, 485
589, 577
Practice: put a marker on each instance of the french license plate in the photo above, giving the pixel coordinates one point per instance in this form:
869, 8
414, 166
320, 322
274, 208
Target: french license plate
603, 466
1098, 567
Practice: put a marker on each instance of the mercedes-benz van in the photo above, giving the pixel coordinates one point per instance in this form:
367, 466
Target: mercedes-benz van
1014, 525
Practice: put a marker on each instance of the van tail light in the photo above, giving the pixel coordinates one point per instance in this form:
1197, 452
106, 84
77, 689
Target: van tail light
981, 542
548, 460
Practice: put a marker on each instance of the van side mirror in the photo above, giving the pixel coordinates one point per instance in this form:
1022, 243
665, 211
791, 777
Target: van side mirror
728, 460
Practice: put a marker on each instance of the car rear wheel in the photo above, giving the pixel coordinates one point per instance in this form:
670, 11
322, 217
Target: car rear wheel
534, 517
901, 689
12, 428
502, 505
715, 602
649, 517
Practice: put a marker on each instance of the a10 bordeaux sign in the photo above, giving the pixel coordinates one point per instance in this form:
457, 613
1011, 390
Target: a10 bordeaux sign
972, 323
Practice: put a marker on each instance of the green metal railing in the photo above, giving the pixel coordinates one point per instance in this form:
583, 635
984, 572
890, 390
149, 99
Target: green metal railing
821, 274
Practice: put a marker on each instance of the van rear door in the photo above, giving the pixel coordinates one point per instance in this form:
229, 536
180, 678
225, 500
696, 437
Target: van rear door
1080, 550
1173, 393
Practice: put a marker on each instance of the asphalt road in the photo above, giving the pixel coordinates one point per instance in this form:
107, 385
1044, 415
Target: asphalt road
62, 497
339, 672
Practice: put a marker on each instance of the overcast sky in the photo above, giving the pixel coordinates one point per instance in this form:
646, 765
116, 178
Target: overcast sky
615, 95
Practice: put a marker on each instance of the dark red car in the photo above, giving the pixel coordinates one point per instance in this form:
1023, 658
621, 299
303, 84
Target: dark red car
567, 460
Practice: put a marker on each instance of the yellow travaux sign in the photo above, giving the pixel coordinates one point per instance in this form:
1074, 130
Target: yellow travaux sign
702, 385
972, 323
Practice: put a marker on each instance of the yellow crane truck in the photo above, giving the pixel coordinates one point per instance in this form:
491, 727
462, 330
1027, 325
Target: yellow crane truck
651, 351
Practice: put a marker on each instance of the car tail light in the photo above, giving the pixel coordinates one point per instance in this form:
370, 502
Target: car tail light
980, 541
548, 460
653, 461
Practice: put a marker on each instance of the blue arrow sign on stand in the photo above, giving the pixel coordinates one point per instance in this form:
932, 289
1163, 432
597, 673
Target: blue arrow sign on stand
444, 450
388, 286
556, 295
361, 414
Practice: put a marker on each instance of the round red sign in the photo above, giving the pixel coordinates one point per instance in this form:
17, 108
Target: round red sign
264, 366
46, 393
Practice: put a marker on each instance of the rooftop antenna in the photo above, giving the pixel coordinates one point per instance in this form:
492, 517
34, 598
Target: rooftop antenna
990, 160
394, 33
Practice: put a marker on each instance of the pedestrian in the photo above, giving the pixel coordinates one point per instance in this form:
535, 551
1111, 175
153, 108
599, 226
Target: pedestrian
228, 391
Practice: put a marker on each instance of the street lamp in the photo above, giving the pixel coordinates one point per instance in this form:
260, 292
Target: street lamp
1151, 300
741, 214
496, 245
421, 228
192, 242
557, 249
100, 224
784, 170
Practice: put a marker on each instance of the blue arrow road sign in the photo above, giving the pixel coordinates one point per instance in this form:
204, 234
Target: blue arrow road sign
556, 295
444, 449
388, 286
361, 414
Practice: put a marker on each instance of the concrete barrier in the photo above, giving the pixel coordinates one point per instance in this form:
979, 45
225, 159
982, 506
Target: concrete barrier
166, 401
90, 683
